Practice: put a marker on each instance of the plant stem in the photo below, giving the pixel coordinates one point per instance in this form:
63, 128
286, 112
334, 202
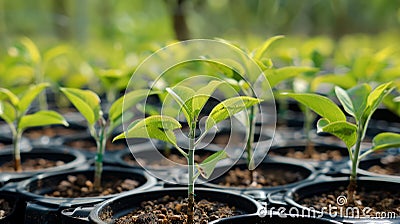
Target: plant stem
17, 154
249, 144
101, 144
191, 170
309, 118
354, 164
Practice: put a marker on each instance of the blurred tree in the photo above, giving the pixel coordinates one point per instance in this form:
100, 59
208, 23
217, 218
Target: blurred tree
61, 19
178, 16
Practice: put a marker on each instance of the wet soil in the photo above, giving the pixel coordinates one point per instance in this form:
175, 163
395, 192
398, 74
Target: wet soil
75, 186
31, 165
378, 201
173, 210
261, 178
318, 154
90, 145
51, 131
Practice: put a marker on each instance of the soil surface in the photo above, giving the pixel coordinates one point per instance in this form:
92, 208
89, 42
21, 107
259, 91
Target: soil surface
171, 157
51, 132
90, 145
5, 208
391, 166
261, 178
317, 155
31, 165
81, 186
378, 201
173, 210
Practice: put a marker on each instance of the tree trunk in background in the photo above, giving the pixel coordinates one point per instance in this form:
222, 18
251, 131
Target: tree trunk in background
3, 28
61, 19
178, 19
106, 12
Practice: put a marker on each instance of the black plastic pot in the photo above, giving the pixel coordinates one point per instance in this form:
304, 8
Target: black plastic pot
305, 170
44, 209
15, 204
326, 184
273, 218
71, 158
372, 161
122, 205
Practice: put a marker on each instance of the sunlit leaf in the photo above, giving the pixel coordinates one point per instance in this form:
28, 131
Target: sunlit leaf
345, 100
202, 96
358, 95
386, 140
32, 49
228, 108
276, 76
7, 112
30, 95
156, 127
344, 130
86, 102
206, 168
6, 94
259, 52
183, 96
344, 81
321, 105
41, 118
376, 96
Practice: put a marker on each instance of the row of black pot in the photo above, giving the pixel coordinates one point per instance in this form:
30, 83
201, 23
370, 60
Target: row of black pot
38, 208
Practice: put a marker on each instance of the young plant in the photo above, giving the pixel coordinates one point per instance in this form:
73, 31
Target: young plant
191, 103
13, 110
88, 104
360, 102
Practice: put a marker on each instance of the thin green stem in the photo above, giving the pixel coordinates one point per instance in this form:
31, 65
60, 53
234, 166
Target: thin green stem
191, 173
101, 144
17, 135
250, 140
354, 165
309, 118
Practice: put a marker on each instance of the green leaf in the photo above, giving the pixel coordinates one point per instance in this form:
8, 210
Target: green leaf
321, 105
55, 52
41, 118
345, 100
127, 101
278, 75
86, 102
202, 96
385, 140
206, 168
358, 95
7, 112
30, 95
157, 127
6, 94
376, 96
228, 108
344, 130
259, 52
344, 81
183, 96
32, 50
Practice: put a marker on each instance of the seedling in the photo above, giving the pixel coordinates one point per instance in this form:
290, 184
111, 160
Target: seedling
13, 110
191, 103
88, 104
360, 102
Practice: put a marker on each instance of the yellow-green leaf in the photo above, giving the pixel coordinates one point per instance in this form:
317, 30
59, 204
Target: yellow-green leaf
386, 140
228, 108
206, 168
344, 130
41, 118
259, 52
275, 76
6, 94
32, 49
7, 112
321, 105
30, 95
86, 102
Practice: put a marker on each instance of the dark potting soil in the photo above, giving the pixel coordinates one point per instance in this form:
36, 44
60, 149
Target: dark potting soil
31, 165
91, 145
377, 201
261, 178
5, 208
329, 154
173, 210
390, 166
171, 157
81, 186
